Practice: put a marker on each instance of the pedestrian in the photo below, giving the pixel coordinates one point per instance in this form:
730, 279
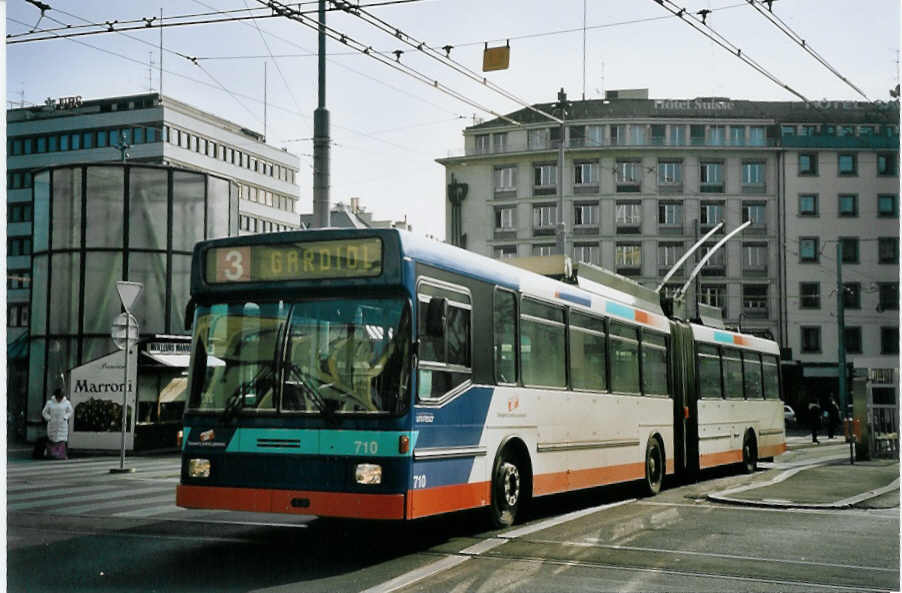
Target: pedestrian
814, 417
57, 412
831, 415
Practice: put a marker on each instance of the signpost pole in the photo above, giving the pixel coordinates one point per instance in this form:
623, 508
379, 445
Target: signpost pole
128, 294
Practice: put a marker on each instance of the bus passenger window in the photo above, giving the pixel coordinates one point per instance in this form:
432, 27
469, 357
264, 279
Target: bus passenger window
624, 359
444, 360
751, 367
542, 344
732, 374
709, 371
505, 322
771, 377
587, 353
654, 364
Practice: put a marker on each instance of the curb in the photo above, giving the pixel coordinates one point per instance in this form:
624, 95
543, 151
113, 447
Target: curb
845, 503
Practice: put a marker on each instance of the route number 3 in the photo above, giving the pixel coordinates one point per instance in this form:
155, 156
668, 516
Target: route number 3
233, 265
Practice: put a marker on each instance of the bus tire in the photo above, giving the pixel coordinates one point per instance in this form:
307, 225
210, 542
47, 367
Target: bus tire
507, 489
654, 466
749, 452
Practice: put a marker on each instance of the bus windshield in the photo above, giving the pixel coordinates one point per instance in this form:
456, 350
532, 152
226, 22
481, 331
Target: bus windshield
330, 356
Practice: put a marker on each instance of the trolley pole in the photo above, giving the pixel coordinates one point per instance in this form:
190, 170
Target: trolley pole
321, 135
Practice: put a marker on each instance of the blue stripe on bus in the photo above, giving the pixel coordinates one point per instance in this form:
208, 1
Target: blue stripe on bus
574, 298
443, 472
459, 423
619, 310
723, 337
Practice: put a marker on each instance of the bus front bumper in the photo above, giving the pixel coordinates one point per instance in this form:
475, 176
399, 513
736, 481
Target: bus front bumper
297, 502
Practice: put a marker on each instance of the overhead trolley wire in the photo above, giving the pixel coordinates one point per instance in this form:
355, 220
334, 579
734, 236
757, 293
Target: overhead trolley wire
276, 62
780, 24
702, 27
396, 64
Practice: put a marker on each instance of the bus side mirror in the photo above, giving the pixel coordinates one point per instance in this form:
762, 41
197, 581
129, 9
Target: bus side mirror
435, 316
189, 314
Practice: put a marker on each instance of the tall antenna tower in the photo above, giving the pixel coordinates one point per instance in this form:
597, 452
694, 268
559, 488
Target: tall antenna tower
150, 65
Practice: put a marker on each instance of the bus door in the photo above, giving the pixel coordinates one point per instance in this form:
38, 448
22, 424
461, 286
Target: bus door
685, 398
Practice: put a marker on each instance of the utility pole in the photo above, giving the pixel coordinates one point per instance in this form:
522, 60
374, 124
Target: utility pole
264, 101
321, 135
563, 106
845, 400
161, 53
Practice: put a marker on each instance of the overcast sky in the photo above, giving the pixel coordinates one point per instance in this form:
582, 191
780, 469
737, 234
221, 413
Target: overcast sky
388, 128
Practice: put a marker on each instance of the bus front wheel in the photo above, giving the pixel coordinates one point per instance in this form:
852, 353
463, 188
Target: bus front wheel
507, 490
654, 466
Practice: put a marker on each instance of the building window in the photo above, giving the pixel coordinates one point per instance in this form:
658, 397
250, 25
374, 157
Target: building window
628, 176
586, 252
18, 246
808, 250
543, 249
481, 143
753, 175
714, 295
677, 135
538, 139
716, 135
889, 340
544, 175
809, 295
849, 249
716, 263
628, 214
711, 213
887, 163
669, 254
499, 142
585, 214
888, 293
19, 212
852, 340
808, 205
17, 315
787, 130
628, 255
18, 279
544, 217
848, 205
848, 164
637, 134
506, 178
594, 136
754, 257
757, 136
670, 173
504, 251
811, 339
670, 214
737, 135
887, 205
754, 300
618, 135
504, 219
756, 213
711, 177
658, 132
585, 173
807, 163
852, 295
888, 250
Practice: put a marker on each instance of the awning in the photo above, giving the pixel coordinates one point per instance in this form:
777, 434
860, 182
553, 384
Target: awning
175, 391
170, 360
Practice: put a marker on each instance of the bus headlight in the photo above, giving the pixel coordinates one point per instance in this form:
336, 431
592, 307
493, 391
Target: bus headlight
198, 468
368, 473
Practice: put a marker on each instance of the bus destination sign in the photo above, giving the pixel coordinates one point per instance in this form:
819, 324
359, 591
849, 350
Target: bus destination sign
315, 260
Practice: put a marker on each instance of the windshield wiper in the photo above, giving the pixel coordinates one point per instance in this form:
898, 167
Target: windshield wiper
236, 400
325, 407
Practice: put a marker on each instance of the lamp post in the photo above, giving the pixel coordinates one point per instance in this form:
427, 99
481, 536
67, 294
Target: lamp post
128, 294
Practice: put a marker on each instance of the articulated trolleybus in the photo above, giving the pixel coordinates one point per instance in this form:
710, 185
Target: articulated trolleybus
375, 374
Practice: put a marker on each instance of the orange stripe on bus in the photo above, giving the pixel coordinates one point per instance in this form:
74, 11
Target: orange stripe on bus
771, 450
739, 340
712, 459
325, 504
640, 316
443, 499
586, 478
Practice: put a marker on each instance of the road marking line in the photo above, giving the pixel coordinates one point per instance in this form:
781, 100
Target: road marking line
105, 506
59, 504
593, 542
476, 549
707, 507
869, 494
149, 512
38, 494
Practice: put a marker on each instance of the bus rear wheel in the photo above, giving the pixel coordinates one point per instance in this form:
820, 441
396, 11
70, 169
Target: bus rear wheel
507, 490
749, 453
654, 466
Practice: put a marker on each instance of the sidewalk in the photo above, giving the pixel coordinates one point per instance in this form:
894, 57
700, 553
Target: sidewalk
816, 477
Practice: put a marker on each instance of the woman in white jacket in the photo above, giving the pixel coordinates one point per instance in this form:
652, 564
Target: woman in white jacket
56, 412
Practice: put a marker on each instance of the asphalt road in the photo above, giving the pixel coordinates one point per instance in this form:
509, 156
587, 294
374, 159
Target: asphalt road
123, 536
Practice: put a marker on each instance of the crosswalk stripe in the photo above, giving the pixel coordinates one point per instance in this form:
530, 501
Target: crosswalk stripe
20, 506
91, 470
65, 492
151, 511
107, 505
53, 465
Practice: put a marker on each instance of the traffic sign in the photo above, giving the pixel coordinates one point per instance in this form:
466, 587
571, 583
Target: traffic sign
124, 323
129, 293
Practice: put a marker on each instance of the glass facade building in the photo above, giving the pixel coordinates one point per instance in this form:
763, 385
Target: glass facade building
95, 225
